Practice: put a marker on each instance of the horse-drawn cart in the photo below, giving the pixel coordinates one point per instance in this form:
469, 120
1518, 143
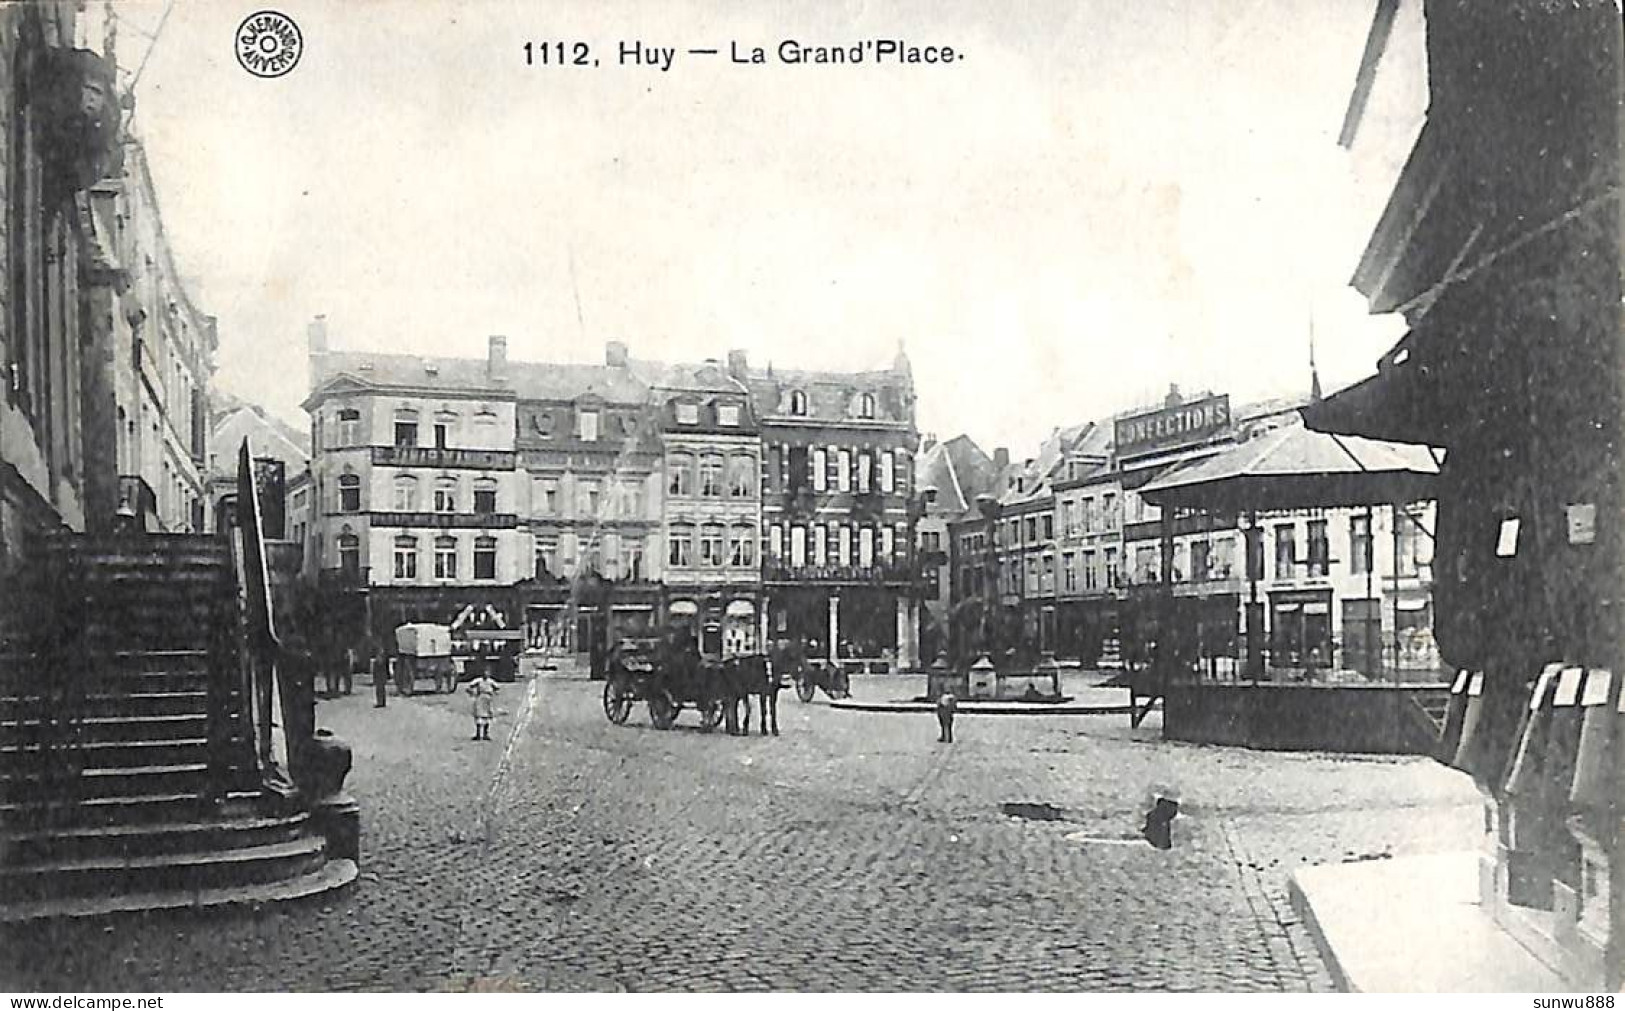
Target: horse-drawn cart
667, 680
817, 674
423, 650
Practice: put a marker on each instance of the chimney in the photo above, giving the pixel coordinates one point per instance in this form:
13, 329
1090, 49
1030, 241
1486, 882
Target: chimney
1001, 458
615, 354
316, 331
496, 360
738, 365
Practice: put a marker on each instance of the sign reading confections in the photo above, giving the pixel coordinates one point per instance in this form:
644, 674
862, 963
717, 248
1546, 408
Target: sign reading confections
1172, 427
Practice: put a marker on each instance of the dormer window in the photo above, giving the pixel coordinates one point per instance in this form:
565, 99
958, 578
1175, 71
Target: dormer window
587, 426
728, 415
798, 403
866, 405
688, 414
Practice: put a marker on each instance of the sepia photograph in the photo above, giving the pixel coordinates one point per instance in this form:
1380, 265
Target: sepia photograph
920, 496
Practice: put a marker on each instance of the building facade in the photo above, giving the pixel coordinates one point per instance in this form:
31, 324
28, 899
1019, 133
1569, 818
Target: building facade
161, 350
591, 502
712, 465
59, 136
839, 510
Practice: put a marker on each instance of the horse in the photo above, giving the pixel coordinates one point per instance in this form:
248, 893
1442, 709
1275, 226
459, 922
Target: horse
747, 676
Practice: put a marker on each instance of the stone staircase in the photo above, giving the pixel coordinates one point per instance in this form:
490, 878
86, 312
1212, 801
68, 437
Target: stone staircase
127, 780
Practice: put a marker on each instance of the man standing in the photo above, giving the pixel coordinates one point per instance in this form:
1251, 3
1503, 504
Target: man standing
946, 705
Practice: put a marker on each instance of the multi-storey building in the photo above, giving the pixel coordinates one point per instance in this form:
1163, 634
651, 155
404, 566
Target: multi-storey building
591, 469
269, 439
415, 479
1088, 534
712, 518
162, 359
952, 475
839, 508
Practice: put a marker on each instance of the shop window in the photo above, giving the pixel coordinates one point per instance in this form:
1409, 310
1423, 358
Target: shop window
485, 558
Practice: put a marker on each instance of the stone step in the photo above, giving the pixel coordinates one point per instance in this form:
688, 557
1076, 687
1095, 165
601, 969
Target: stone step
124, 704
107, 729
330, 878
92, 811
102, 841
20, 758
189, 870
125, 781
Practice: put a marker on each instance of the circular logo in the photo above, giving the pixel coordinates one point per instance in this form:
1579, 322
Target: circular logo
269, 44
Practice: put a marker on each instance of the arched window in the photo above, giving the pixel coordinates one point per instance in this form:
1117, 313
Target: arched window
445, 495
406, 493
711, 476
711, 544
349, 546
680, 475
349, 493
406, 557
866, 405
741, 477
445, 557
742, 546
798, 402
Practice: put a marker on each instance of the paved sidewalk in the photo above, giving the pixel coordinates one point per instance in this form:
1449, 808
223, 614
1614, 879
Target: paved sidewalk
1414, 925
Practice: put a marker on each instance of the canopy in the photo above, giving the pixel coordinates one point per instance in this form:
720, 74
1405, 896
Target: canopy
1295, 468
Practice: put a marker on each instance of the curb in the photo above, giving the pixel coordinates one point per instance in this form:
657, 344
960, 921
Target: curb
1306, 915
973, 709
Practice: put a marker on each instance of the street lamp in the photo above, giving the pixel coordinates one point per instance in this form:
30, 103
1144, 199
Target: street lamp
991, 509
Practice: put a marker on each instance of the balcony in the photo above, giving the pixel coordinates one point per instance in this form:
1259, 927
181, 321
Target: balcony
892, 572
453, 459
487, 521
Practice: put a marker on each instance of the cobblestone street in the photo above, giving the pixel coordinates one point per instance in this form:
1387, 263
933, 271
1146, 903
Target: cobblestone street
853, 852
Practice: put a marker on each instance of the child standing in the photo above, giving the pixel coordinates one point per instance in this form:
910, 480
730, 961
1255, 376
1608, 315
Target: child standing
483, 690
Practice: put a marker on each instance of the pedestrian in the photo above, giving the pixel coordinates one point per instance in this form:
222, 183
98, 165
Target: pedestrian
380, 686
946, 705
483, 690
347, 670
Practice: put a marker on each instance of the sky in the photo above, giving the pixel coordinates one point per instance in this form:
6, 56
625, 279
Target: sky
1098, 200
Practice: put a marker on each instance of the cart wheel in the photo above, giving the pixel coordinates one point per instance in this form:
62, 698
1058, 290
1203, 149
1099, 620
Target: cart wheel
617, 700
710, 715
662, 711
805, 689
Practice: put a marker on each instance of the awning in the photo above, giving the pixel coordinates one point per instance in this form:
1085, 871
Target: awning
1287, 607
740, 609
1412, 605
1296, 468
1317, 607
683, 607
631, 607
